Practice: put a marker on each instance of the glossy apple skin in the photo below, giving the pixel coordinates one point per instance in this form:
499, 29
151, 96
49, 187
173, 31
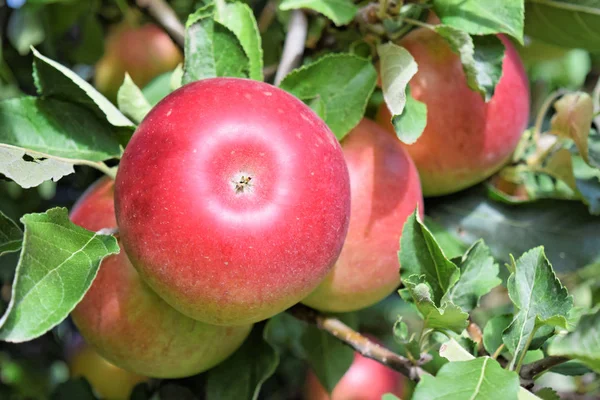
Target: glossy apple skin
132, 326
385, 190
365, 380
144, 52
466, 140
218, 254
108, 380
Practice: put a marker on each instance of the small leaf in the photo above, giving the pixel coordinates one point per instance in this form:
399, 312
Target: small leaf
560, 166
482, 63
450, 245
238, 17
327, 356
58, 263
57, 81
131, 100
582, 344
242, 375
342, 84
389, 396
483, 17
573, 120
32, 171
442, 317
547, 394
493, 330
211, 49
158, 88
540, 299
341, 12
11, 235
481, 378
411, 123
478, 275
421, 255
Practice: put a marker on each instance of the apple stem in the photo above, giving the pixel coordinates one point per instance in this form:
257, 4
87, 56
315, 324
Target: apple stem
358, 342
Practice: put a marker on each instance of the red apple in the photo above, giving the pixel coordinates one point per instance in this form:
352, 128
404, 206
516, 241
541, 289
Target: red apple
466, 139
144, 52
129, 324
385, 191
365, 380
233, 200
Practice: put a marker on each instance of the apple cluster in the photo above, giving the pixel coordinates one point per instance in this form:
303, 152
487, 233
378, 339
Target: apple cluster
234, 201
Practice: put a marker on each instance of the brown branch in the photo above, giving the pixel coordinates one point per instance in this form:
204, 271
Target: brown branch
530, 371
164, 15
293, 47
358, 342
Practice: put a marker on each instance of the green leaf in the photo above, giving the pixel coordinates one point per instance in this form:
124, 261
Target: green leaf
327, 356
397, 68
25, 29
11, 235
573, 120
450, 245
57, 81
158, 88
341, 12
481, 58
566, 23
483, 17
478, 276
211, 49
493, 330
242, 375
421, 255
342, 84
582, 344
238, 18
131, 100
390, 396
58, 263
547, 394
442, 317
29, 169
540, 299
481, 378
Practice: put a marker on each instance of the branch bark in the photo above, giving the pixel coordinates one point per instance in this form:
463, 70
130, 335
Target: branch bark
293, 48
358, 342
530, 371
164, 15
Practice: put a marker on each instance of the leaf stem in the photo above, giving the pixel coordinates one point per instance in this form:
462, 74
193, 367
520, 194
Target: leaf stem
100, 166
416, 22
498, 351
544, 108
523, 352
358, 342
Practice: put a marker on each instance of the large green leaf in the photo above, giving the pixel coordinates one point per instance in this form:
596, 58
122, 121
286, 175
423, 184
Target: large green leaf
59, 260
238, 18
341, 12
479, 379
483, 17
337, 86
567, 23
241, 376
478, 275
540, 299
583, 343
211, 49
11, 235
420, 255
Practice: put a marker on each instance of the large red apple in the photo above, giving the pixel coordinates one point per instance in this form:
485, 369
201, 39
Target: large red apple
365, 380
385, 191
233, 200
466, 139
132, 326
144, 52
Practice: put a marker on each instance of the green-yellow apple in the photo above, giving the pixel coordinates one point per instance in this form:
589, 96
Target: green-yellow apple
466, 139
385, 190
144, 52
233, 200
129, 324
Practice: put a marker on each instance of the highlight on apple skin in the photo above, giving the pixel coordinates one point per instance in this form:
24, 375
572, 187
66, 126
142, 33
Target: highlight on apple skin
466, 139
385, 190
129, 324
232, 200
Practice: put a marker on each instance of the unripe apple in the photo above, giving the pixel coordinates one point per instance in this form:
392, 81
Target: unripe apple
466, 139
144, 52
365, 380
107, 380
233, 200
132, 326
385, 190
